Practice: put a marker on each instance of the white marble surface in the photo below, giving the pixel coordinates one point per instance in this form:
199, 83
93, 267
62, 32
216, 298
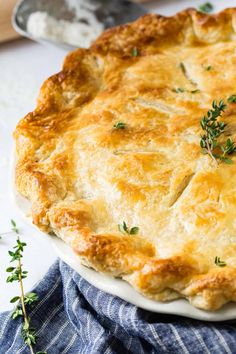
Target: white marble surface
170, 7
24, 65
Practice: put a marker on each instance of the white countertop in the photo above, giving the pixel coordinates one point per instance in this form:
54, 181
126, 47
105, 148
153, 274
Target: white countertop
24, 65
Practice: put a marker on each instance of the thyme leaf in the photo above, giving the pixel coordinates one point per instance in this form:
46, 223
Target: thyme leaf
178, 90
123, 228
119, 125
134, 52
232, 99
206, 8
14, 227
220, 263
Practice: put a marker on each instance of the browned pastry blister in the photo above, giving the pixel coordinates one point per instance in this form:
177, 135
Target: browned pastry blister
83, 176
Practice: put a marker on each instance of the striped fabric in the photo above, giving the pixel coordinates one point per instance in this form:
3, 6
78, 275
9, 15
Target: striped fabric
74, 317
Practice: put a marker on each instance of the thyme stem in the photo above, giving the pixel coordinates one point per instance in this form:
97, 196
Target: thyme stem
210, 152
18, 274
22, 297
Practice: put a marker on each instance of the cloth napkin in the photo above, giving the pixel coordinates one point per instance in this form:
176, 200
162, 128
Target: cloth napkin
74, 317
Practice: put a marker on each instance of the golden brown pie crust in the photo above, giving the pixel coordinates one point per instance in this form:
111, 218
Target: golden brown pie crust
84, 177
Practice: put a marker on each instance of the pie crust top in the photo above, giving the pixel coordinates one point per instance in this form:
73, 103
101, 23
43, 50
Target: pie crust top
83, 176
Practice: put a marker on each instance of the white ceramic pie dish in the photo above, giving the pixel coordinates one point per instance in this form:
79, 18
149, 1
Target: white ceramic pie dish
122, 289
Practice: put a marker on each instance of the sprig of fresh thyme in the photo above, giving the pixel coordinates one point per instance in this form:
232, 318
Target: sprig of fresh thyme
134, 52
219, 262
125, 230
212, 130
119, 125
18, 274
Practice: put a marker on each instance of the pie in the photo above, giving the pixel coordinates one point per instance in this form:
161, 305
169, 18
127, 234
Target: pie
111, 163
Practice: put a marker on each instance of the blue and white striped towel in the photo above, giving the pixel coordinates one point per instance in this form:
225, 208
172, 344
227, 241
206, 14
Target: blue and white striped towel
74, 317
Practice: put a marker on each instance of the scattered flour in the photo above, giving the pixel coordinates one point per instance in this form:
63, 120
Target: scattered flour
80, 33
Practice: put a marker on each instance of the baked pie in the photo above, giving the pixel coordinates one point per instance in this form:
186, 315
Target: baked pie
111, 159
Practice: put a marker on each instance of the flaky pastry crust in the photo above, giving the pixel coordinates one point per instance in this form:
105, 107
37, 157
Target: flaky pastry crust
84, 177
